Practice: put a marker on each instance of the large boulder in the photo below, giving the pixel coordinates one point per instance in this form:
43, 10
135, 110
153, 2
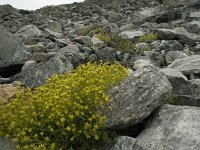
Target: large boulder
12, 49
165, 34
36, 75
189, 66
174, 55
29, 31
172, 128
137, 97
169, 16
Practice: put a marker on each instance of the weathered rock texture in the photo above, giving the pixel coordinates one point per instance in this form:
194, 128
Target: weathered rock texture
137, 97
172, 128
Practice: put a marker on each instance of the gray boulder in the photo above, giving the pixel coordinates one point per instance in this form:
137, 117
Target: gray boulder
165, 34
189, 66
193, 27
172, 128
131, 34
12, 49
173, 55
185, 37
195, 84
29, 31
137, 97
70, 49
194, 3
113, 16
179, 82
111, 29
36, 76
171, 45
54, 26
106, 54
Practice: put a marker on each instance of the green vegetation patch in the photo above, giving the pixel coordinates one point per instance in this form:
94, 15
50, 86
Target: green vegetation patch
148, 38
65, 113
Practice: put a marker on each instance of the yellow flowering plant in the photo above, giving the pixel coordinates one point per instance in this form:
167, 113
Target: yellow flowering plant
68, 112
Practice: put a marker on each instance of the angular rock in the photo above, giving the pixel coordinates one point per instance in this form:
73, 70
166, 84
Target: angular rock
137, 97
179, 82
84, 40
40, 57
172, 128
195, 84
131, 34
174, 55
111, 29
70, 49
188, 65
106, 54
141, 63
96, 41
184, 37
54, 26
12, 49
171, 45
165, 34
52, 33
195, 4
193, 27
113, 16
37, 76
169, 16
29, 31
37, 48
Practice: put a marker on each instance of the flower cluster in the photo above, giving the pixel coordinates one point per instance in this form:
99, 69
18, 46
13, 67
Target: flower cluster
67, 112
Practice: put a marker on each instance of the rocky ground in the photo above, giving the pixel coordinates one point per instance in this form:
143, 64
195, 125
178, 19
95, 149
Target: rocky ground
164, 56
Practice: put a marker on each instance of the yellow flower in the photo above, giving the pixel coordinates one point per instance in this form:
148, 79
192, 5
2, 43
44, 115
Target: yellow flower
68, 128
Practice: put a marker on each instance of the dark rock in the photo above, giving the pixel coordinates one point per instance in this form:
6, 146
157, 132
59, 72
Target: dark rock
37, 76
169, 16
165, 34
171, 45
194, 3
106, 54
12, 49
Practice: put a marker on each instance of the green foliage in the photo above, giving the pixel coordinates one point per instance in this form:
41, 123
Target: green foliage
123, 45
68, 112
91, 29
171, 98
148, 38
104, 38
